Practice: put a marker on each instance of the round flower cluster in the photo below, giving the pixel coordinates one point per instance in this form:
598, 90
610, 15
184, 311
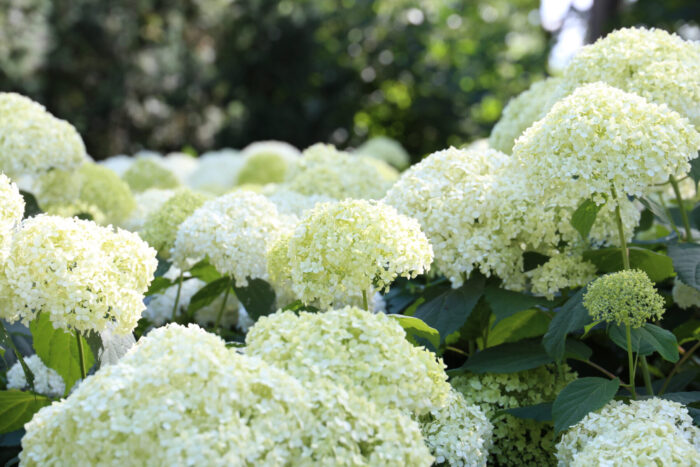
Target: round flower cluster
266, 162
600, 137
217, 171
652, 63
181, 164
11, 212
33, 141
234, 231
147, 172
147, 202
685, 296
160, 228
341, 250
383, 366
290, 202
647, 432
82, 275
387, 150
46, 380
458, 434
521, 112
323, 170
559, 272
516, 441
183, 391
627, 297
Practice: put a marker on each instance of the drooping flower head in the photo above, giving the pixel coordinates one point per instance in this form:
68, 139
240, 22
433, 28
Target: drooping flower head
323, 170
266, 162
234, 231
600, 137
627, 297
147, 172
646, 432
652, 63
516, 441
345, 248
387, 150
181, 397
521, 112
82, 275
161, 226
384, 366
11, 212
46, 380
33, 141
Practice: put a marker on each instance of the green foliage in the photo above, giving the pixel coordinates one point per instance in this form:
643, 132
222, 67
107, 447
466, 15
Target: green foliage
18, 407
571, 317
584, 217
580, 397
207, 294
417, 332
258, 298
686, 262
646, 340
657, 266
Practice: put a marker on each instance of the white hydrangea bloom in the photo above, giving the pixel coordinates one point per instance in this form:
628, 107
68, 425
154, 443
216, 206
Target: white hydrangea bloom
599, 137
384, 366
559, 272
521, 112
266, 162
33, 141
46, 380
458, 434
645, 432
82, 275
387, 150
342, 249
147, 203
234, 231
119, 164
685, 296
181, 397
652, 63
290, 202
11, 212
217, 172
181, 164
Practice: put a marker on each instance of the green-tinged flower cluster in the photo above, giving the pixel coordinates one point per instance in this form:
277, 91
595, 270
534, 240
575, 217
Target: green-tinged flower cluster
652, 63
341, 250
181, 397
11, 212
323, 170
521, 112
458, 434
46, 380
216, 172
356, 349
147, 202
600, 137
685, 296
266, 162
160, 228
82, 275
627, 297
647, 432
234, 231
387, 150
516, 441
146, 172
560, 272
33, 141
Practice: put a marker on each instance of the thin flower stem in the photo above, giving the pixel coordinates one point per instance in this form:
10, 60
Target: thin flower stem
81, 355
364, 300
646, 375
456, 350
628, 335
599, 368
621, 231
177, 296
221, 310
675, 369
681, 206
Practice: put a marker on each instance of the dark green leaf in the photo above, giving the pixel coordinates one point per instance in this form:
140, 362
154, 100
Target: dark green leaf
684, 398
208, 294
18, 407
532, 259
508, 358
539, 412
7, 342
646, 220
31, 206
505, 303
659, 211
646, 340
415, 328
658, 266
695, 216
584, 217
449, 310
297, 306
258, 298
109, 347
58, 349
695, 415
158, 285
577, 350
695, 170
523, 325
686, 262
570, 317
581, 397
204, 271
163, 267
688, 331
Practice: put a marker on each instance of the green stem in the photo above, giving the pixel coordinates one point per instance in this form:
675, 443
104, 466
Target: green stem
646, 375
456, 350
599, 368
364, 300
681, 206
675, 369
621, 231
628, 335
221, 310
177, 296
81, 355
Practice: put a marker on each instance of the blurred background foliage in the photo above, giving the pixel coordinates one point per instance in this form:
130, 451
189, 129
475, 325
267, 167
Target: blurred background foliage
166, 74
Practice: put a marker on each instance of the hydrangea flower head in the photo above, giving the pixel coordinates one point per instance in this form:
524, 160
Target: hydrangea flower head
516, 441
652, 63
33, 141
323, 170
560, 272
684, 295
46, 380
627, 297
11, 212
82, 275
217, 171
645, 432
521, 112
234, 231
146, 172
161, 226
345, 248
181, 397
147, 202
599, 137
290, 202
385, 149
266, 162
384, 366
